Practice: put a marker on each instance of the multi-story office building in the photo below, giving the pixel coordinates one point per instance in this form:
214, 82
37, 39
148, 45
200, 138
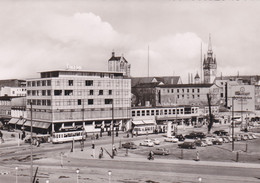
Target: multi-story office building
75, 98
12, 91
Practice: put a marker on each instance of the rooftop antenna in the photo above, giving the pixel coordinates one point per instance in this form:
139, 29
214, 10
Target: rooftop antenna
201, 64
148, 63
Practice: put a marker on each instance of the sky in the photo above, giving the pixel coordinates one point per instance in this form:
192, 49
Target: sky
41, 35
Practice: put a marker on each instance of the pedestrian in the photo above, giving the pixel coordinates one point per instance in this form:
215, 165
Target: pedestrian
114, 150
101, 153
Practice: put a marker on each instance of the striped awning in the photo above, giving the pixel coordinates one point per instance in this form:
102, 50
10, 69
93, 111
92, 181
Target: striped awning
37, 124
13, 121
21, 122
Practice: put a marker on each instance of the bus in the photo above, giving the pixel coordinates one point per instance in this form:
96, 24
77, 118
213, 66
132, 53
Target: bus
68, 136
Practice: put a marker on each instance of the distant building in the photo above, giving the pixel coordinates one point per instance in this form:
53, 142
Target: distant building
12, 91
12, 83
64, 99
119, 64
209, 65
144, 88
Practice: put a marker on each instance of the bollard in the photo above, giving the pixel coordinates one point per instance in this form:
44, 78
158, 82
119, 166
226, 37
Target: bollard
197, 156
237, 157
181, 153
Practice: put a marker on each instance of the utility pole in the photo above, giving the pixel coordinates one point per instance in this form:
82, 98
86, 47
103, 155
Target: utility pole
31, 147
112, 129
232, 123
210, 115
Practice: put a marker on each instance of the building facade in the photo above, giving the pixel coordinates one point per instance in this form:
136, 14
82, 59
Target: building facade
119, 64
13, 91
74, 98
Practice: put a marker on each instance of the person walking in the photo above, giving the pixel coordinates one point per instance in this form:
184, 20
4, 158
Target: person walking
101, 153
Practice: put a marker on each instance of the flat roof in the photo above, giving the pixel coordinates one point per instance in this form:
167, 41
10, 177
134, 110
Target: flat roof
88, 71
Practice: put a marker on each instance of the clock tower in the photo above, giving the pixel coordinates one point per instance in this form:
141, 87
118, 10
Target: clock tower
209, 65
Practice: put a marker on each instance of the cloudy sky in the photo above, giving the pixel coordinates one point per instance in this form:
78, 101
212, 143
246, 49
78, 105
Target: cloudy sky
44, 35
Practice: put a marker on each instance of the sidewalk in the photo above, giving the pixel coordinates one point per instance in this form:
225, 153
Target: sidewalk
121, 156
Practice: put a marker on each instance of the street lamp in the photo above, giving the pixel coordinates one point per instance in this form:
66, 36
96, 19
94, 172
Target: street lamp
16, 169
47, 181
109, 176
77, 171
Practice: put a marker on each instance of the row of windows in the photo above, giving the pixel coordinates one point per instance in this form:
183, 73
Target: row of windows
75, 102
188, 96
73, 83
158, 112
188, 90
73, 92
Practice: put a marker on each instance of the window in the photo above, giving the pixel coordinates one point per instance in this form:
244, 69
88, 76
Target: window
48, 82
70, 82
100, 92
108, 101
193, 96
28, 92
43, 102
38, 83
109, 92
33, 92
44, 83
170, 111
29, 83
198, 90
172, 90
152, 112
147, 112
182, 90
188, 90
182, 96
143, 113
28, 102
222, 95
43, 92
48, 102
33, 83
178, 96
89, 82
178, 90
138, 113
168, 90
49, 92
68, 92
91, 92
133, 113
198, 96
57, 92
157, 112
39, 102
79, 101
192, 90
165, 112
90, 101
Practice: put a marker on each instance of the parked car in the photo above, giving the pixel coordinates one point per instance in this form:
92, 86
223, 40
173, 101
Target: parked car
243, 137
225, 139
171, 139
249, 137
253, 135
147, 142
180, 137
220, 132
200, 143
198, 125
156, 141
187, 145
161, 151
217, 142
40, 138
207, 141
129, 145
195, 135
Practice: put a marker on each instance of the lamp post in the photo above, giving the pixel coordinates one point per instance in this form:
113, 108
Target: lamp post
233, 123
16, 179
31, 147
109, 176
77, 171
112, 128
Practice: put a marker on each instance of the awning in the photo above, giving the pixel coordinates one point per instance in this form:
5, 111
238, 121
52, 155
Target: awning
37, 124
138, 122
21, 122
13, 121
148, 122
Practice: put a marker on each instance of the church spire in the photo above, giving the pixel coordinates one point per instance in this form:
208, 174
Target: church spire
210, 45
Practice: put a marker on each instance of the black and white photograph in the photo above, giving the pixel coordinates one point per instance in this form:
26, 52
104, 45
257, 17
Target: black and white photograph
110, 91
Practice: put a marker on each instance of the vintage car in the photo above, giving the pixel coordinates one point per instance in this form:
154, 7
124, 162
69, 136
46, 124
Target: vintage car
161, 151
147, 142
129, 145
187, 145
171, 139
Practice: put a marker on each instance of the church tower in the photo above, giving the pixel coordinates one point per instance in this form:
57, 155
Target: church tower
119, 64
209, 65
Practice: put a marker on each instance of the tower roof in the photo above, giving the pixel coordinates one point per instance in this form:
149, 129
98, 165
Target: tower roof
197, 76
114, 58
